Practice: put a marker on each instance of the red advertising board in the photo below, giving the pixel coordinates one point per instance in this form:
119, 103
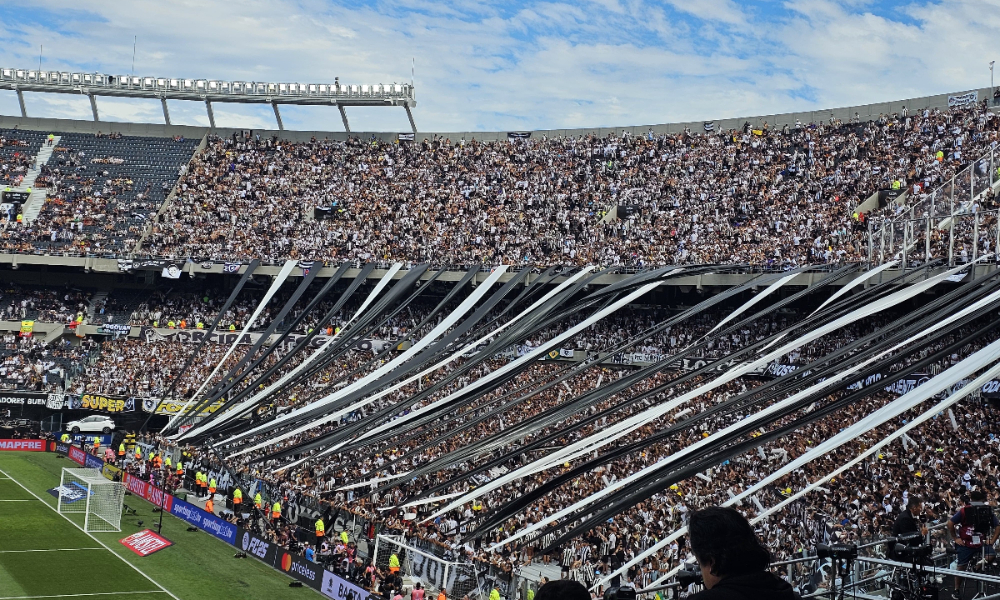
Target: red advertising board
148, 492
22, 445
145, 542
77, 455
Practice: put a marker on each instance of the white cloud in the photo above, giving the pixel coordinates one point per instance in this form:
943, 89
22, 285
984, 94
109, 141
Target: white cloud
533, 65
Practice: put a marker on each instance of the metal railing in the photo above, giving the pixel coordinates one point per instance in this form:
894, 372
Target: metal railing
948, 223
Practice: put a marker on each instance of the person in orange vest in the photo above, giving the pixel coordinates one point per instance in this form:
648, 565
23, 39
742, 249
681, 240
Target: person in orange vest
211, 487
237, 499
157, 461
210, 506
442, 596
121, 451
97, 445
276, 511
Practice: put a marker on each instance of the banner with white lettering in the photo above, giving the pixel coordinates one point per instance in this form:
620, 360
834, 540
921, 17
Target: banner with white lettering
145, 542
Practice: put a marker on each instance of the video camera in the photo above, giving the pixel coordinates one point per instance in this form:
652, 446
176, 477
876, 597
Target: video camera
837, 551
689, 574
620, 593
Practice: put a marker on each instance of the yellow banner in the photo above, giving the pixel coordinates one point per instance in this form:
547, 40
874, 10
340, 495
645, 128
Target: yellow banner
172, 408
27, 327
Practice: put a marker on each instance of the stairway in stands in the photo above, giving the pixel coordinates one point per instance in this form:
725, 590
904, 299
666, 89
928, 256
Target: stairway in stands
36, 201
98, 299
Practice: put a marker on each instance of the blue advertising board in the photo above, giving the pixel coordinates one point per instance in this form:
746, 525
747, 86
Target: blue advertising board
220, 528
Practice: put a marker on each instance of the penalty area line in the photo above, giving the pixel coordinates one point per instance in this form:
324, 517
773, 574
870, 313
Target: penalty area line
137, 569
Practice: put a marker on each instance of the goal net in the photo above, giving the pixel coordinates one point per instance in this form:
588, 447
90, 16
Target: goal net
429, 565
90, 500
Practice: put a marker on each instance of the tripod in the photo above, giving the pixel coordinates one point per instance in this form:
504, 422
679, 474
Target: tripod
980, 563
840, 565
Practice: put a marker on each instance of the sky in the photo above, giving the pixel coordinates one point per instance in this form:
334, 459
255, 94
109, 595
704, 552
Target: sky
516, 65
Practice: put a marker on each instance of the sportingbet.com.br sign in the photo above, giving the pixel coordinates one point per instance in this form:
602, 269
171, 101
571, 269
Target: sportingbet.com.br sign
220, 528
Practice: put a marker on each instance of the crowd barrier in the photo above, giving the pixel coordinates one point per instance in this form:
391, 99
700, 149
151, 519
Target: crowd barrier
294, 565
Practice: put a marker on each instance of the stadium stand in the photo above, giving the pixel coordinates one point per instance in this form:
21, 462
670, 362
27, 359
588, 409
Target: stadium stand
778, 197
102, 191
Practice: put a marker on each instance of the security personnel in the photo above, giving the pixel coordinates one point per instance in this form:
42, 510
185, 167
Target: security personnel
167, 463
237, 499
211, 486
97, 444
232, 327
210, 506
138, 453
320, 531
258, 501
64, 438
180, 469
200, 325
157, 461
343, 537
197, 482
121, 450
276, 511
394, 564
442, 596
495, 594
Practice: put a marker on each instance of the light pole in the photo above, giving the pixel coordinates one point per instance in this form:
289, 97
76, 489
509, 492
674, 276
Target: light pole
991, 74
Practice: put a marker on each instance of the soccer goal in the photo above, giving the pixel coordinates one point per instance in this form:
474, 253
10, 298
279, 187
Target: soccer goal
90, 500
423, 564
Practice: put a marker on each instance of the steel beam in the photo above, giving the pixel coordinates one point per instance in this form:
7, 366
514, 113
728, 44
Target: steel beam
166, 111
277, 116
20, 100
211, 115
93, 106
343, 115
409, 115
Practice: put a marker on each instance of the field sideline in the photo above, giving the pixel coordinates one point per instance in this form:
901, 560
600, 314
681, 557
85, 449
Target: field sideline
43, 555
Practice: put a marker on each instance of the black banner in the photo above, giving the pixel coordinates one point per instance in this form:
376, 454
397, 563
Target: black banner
256, 547
101, 403
518, 135
991, 389
16, 197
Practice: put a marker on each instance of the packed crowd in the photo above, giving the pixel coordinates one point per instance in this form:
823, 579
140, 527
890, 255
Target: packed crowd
750, 196
862, 506
862, 503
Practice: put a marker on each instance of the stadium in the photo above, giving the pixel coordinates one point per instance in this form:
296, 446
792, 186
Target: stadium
461, 365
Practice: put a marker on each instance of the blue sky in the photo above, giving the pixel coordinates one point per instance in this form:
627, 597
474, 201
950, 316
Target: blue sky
514, 65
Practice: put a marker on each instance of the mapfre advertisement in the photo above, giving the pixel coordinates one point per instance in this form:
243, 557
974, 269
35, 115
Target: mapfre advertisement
145, 542
22, 445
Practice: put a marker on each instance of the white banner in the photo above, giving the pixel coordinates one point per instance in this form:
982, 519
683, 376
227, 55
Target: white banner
963, 99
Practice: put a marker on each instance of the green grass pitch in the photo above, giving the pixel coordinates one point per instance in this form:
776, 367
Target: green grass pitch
42, 555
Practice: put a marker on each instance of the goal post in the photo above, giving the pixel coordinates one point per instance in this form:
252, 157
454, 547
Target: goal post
422, 564
90, 500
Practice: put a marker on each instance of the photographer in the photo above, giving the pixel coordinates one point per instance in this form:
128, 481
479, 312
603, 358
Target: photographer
969, 528
732, 560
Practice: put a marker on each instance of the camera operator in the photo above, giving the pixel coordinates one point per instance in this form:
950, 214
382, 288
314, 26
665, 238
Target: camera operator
906, 523
732, 560
969, 528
